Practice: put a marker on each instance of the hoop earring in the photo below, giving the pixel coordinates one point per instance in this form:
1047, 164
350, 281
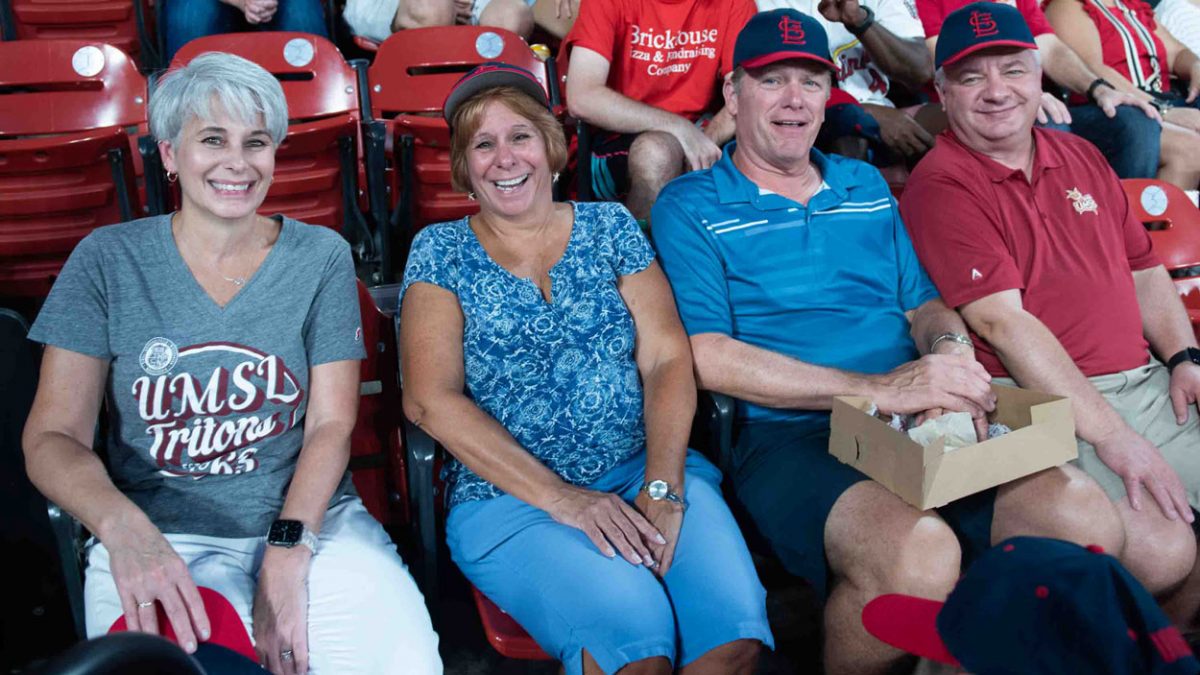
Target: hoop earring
471, 196
172, 177
554, 178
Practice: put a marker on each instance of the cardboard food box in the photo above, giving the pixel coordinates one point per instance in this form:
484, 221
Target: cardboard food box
1043, 436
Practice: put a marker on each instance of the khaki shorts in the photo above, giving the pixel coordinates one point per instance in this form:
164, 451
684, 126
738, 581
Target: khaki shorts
1141, 396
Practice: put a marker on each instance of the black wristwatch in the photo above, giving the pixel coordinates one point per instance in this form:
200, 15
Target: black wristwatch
1191, 354
861, 28
289, 533
1098, 82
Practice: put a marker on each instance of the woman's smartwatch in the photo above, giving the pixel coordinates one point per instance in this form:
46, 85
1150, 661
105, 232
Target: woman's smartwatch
658, 490
1189, 355
289, 533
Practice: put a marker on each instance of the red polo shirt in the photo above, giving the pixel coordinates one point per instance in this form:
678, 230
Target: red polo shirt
1067, 239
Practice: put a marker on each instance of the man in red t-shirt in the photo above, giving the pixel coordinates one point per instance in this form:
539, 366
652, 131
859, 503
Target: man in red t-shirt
646, 73
1028, 234
1126, 129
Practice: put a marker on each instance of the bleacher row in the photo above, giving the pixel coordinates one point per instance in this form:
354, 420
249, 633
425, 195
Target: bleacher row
366, 151
366, 154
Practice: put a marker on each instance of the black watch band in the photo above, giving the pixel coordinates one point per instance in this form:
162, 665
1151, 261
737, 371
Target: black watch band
861, 28
1191, 354
1098, 82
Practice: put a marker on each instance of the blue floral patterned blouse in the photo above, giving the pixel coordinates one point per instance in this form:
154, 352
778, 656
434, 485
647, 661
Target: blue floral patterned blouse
560, 376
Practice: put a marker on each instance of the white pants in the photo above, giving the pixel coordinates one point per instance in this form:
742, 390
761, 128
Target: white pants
365, 614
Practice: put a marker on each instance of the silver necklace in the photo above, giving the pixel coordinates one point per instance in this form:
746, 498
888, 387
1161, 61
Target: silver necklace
236, 280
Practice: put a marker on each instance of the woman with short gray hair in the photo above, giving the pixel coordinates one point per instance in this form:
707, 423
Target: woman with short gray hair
228, 345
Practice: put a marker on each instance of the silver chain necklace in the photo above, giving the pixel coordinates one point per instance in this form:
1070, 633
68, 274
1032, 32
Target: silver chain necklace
238, 281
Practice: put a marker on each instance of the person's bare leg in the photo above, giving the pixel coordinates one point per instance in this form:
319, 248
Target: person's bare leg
739, 657
1159, 552
423, 13
1183, 603
652, 666
545, 14
655, 159
1179, 159
513, 15
1061, 503
878, 544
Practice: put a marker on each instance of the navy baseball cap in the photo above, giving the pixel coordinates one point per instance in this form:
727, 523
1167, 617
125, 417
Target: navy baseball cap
488, 75
778, 35
980, 25
1038, 606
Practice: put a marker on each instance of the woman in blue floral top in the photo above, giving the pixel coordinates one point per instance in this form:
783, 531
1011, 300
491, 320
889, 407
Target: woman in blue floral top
542, 348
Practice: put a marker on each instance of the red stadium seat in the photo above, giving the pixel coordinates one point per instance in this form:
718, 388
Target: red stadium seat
66, 164
316, 168
376, 454
412, 73
1174, 224
505, 634
128, 25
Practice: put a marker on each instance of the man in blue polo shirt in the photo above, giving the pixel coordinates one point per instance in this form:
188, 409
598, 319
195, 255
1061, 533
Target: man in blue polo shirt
797, 282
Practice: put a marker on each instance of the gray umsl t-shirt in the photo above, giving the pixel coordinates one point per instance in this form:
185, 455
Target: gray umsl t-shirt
206, 403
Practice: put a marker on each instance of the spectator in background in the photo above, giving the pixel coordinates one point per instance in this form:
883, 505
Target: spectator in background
797, 283
377, 19
1106, 33
646, 73
1181, 18
1030, 237
186, 20
1126, 129
872, 41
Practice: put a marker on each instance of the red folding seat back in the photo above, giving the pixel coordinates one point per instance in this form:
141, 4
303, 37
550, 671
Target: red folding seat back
315, 77
66, 166
128, 25
60, 86
316, 167
1171, 217
1174, 224
415, 69
376, 462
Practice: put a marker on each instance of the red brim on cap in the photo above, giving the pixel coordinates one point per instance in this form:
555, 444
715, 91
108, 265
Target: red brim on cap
226, 627
775, 57
987, 45
907, 623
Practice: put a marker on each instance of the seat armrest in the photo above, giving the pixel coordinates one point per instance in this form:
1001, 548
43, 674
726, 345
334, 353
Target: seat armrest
69, 538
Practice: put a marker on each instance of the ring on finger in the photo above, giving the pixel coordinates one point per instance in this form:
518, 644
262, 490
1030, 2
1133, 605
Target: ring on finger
286, 655
146, 604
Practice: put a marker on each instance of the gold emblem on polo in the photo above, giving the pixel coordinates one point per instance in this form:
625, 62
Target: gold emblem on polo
1082, 203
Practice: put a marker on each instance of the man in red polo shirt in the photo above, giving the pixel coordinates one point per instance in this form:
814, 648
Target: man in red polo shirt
1027, 233
645, 73
1126, 129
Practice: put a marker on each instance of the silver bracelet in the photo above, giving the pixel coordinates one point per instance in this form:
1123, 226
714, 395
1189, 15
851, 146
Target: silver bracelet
953, 337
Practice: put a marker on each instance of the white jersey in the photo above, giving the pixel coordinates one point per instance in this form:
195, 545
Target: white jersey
1182, 20
858, 74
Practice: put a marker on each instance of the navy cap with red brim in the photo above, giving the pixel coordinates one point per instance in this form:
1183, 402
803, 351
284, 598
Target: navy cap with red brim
780, 35
978, 26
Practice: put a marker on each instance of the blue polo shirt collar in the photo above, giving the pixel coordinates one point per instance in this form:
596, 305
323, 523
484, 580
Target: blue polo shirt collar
734, 187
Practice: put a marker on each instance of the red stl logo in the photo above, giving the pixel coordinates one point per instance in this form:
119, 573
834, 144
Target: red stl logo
984, 24
791, 32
